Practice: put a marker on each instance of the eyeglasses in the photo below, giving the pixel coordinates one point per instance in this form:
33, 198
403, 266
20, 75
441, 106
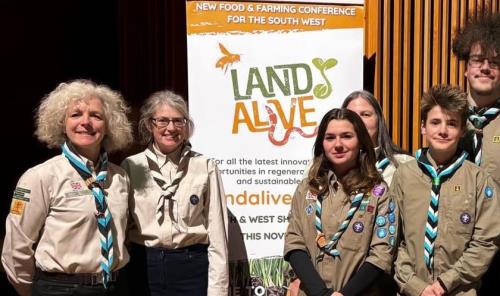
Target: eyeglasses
163, 122
477, 61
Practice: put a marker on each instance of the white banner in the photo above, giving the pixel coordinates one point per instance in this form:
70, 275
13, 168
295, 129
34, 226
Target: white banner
261, 76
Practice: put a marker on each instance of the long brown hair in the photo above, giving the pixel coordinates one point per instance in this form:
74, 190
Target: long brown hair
359, 179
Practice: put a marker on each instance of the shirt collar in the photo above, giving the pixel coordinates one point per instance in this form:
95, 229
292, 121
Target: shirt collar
173, 156
89, 163
440, 167
333, 181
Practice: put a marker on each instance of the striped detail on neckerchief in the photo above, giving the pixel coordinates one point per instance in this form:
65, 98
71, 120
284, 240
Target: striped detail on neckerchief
103, 215
330, 247
168, 189
382, 164
437, 177
382, 161
480, 118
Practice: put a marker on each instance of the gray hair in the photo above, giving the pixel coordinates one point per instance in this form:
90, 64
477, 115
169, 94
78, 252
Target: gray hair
384, 140
157, 99
51, 114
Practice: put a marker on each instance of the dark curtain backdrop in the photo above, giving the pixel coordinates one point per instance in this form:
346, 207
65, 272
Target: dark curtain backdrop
135, 47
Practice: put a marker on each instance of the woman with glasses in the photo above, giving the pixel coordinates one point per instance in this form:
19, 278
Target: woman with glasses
179, 228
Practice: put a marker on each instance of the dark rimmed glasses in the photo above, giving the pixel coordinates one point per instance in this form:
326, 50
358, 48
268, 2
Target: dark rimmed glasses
163, 122
477, 61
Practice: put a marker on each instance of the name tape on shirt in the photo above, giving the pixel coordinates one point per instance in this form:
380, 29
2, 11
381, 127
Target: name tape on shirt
78, 193
21, 194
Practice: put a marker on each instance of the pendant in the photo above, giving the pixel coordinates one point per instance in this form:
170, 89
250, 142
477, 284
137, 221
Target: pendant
90, 181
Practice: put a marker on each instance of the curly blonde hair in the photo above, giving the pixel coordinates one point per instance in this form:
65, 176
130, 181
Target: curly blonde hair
51, 114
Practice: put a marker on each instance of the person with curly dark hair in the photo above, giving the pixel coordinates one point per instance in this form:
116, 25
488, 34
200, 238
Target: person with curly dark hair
478, 43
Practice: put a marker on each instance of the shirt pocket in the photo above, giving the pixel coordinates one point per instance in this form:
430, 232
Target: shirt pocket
463, 215
358, 233
117, 200
74, 198
192, 206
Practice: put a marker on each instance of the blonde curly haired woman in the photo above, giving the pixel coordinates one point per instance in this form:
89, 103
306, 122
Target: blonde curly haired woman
66, 228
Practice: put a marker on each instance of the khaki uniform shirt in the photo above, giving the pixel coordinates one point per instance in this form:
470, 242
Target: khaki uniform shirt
52, 207
360, 241
490, 160
468, 228
389, 170
199, 212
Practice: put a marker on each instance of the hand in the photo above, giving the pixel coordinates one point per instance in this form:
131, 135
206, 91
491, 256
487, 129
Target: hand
294, 287
337, 294
428, 291
432, 290
438, 289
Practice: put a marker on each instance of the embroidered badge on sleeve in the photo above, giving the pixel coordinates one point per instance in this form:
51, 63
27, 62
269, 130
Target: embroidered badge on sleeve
17, 206
19, 200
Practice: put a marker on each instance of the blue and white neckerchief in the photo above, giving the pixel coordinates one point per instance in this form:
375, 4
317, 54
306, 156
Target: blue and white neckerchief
330, 247
437, 177
103, 215
168, 189
480, 117
382, 164
382, 161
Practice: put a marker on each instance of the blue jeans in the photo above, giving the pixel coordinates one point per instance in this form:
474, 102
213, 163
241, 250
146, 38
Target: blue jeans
169, 272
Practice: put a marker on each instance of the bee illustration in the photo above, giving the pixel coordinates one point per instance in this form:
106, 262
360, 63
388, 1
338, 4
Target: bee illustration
227, 60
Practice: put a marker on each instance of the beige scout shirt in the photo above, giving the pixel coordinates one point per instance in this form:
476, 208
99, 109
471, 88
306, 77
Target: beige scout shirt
202, 223
53, 207
355, 246
468, 228
490, 160
388, 172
